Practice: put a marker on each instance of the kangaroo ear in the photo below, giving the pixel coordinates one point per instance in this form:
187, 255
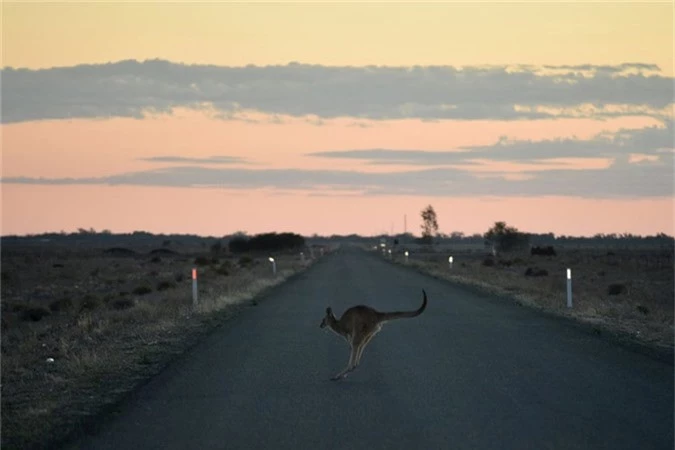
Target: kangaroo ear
329, 310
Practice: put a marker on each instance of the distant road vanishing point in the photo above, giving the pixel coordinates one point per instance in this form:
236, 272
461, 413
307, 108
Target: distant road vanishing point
472, 372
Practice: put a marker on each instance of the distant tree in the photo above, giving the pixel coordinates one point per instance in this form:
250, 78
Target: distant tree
503, 238
429, 224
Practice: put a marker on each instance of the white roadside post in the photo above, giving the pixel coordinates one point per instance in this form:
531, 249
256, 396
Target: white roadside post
406, 256
569, 288
390, 254
302, 257
274, 266
450, 261
194, 287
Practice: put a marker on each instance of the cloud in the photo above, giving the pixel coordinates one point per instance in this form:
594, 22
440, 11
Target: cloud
645, 141
216, 159
136, 89
622, 179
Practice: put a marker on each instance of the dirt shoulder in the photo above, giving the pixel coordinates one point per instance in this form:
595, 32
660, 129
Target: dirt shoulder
625, 297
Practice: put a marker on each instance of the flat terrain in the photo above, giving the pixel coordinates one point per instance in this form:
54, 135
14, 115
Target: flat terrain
473, 371
623, 291
83, 325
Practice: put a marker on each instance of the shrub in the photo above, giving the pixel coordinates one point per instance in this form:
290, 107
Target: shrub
536, 272
89, 303
266, 242
543, 251
119, 251
202, 261
616, 289
163, 251
179, 277
142, 290
34, 313
643, 309
224, 269
245, 261
164, 285
62, 304
156, 259
123, 303
488, 262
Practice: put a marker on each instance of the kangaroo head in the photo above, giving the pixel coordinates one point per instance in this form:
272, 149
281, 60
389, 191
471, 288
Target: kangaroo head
327, 318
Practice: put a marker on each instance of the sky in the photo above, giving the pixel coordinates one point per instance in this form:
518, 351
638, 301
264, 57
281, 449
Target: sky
336, 118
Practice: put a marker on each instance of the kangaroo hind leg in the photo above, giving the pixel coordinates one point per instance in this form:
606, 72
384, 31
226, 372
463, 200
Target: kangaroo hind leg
362, 347
350, 366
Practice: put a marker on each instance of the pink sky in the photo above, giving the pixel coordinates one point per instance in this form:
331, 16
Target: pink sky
90, 148
216, 212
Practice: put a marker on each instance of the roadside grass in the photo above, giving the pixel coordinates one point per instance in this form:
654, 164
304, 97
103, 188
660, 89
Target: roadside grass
105, 335
618, 291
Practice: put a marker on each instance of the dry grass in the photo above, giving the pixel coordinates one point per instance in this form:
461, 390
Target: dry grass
629, 292
103, 326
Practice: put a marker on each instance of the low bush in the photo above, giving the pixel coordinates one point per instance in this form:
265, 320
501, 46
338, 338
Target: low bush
34, 313
62, 304
90, 302
142, 290
164, 285
543, 251
123, 303
204, 261
616, 289
536, 272
245, 261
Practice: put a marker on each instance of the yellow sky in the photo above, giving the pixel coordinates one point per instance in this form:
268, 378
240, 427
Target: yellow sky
44, 34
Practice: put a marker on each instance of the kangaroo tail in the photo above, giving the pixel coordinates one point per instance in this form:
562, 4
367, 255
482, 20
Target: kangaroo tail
404, 314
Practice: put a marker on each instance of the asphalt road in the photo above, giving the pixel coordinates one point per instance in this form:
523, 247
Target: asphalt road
471, 372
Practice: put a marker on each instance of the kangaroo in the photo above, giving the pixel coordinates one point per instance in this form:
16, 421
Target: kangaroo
359, 324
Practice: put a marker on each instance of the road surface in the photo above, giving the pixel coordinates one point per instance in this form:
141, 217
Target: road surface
472, 372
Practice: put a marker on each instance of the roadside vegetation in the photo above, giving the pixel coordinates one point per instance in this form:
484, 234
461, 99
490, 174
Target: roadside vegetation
620, 284
83, 324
